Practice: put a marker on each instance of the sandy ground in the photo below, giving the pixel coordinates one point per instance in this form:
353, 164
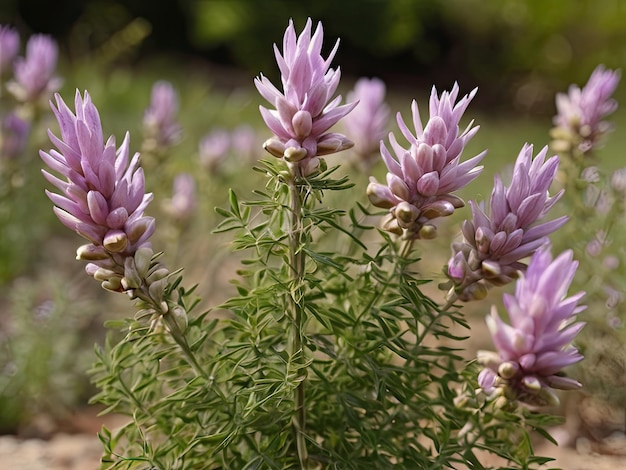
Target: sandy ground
82, 452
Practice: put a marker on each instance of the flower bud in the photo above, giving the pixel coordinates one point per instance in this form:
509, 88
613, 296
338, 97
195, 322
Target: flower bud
427, 232
114, 284
115, 241
91, 252
406, 213
302, 123
379, 195
103, 274
274, 147
507, 370
294, 154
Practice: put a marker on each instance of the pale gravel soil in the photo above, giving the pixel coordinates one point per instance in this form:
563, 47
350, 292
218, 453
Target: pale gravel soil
82, 452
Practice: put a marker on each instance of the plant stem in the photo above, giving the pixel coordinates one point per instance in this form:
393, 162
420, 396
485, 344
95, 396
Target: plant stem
297, 262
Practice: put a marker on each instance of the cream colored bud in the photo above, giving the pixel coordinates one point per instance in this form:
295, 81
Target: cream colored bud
275, 147
488, 358
103, 274
390, 224
406, 212
293, 154
115, 241
507, 370
532, 383
113, 284
91, 252
477, 291
427, 232
491, 268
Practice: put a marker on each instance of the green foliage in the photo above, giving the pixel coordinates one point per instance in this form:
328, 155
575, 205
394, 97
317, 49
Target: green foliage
374, 362
44, 351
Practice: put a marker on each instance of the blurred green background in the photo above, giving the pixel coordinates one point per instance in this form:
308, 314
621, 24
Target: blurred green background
517, 51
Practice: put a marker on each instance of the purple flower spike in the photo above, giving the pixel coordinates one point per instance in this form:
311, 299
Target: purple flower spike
367, 124
34, 73
9, 45
536, 346
213, 149
160, 126
305, 110
495, 241
580, 112
102, 194
422, 178
183, 203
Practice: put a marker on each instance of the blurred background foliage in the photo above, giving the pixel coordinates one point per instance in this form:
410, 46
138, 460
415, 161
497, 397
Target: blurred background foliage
518, 52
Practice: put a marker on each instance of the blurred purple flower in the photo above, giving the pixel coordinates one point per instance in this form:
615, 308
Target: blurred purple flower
103, 195
536, 346
33, 74
367, 123
14, 133
580, 111
183, 202
161, 130
213, 148
494, 244
9, 45
303, 113
244, 142
421, 179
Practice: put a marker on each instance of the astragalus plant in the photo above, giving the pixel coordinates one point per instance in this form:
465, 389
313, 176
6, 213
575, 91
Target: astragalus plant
330, 355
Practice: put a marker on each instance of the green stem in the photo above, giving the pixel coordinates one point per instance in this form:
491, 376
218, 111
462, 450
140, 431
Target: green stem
297, 263
175, 331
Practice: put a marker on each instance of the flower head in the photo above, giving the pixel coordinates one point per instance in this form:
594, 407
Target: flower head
213, 148
34, 73
9, 45
367, 123
536, 346
495, 241
305, 109
422, 178
579, 121
183, 202
102, 195
160, 126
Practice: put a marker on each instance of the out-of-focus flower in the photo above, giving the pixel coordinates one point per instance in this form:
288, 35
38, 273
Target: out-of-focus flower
34, 74
102, 196
305, 110
579, 121
367, 123
536, 346
244, 142
421, 179
161, 129
213, 148
183, 202
14, 133
9, 45
494, 244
